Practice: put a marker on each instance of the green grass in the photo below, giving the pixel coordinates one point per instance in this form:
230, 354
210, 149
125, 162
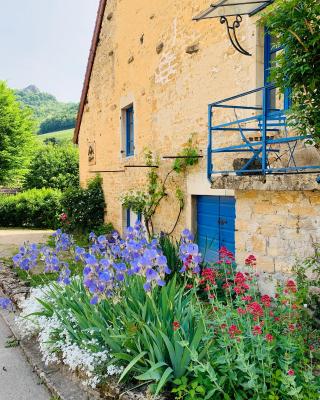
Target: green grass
60, 135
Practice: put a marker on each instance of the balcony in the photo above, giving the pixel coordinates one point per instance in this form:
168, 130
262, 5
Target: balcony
249, 138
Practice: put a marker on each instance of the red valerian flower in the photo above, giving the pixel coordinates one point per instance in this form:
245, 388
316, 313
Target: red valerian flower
226, 285
189, 286
269, 337
223, 326
240, 278
241, 311
241, 285
226, 254
176, 325
291, 372
255, 309
237, 290
291, 327
246, 298
251, 260
266, 300
234, 330
208, 275
291, 286
257, 330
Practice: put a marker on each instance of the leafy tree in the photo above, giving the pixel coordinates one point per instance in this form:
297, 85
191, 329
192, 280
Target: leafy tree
295, 25
54, 167
17, 137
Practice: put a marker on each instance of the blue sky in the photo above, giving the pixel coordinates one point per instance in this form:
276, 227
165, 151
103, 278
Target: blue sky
46, 43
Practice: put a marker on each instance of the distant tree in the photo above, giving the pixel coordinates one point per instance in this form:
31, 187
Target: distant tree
58, 122
51, 114
17, 138
54, 166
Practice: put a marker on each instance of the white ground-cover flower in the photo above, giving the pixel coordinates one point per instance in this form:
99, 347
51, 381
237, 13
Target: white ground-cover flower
28, 324
56, 344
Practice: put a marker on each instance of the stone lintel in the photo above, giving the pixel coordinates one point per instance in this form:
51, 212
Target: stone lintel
297, 182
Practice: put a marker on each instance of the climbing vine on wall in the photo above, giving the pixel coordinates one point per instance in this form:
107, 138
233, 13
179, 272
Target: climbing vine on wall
295, 25
147, 201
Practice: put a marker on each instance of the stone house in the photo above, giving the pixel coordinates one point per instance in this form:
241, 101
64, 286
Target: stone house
152, 72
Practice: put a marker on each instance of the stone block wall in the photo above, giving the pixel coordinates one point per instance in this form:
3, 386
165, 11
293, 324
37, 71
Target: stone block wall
279, 227
154, 56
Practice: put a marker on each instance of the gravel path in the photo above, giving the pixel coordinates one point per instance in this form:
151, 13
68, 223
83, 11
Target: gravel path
12, 239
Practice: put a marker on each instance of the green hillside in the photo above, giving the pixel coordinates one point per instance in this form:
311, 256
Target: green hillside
52, 115
65, 135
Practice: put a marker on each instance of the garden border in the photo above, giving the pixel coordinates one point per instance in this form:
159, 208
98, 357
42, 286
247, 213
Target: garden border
57, 378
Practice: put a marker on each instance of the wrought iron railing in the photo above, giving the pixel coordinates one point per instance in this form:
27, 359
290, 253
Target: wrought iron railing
258, 135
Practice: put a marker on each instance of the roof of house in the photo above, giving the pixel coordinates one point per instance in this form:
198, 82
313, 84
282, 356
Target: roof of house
92, 54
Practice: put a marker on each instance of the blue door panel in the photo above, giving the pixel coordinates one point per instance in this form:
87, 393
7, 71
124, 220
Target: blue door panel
216, 225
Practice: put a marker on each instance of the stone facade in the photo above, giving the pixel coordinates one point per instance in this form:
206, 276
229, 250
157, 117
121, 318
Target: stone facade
154, 57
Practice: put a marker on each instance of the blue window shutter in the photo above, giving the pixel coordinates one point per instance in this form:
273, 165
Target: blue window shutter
129, 132
128, 217
269, 53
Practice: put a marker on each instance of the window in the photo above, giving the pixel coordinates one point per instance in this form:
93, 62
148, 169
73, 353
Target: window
270, 52
129, 131
131, 217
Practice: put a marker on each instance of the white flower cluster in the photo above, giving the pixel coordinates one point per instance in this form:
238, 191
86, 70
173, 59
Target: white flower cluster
56, 344
28, 324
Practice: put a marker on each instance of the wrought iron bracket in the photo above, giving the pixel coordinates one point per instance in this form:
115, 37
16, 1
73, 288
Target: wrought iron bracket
231, 30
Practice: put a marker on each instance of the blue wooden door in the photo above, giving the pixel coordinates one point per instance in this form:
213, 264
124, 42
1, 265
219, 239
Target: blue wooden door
215, 225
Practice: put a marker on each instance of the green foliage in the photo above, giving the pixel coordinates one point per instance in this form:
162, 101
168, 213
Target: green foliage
147, 201
60, 137
35, 208
59, 122
51, 114
54, 167
308, 277
84, 207
17, 137
295, 25
189, 157
138, 329
190, 390
170, 249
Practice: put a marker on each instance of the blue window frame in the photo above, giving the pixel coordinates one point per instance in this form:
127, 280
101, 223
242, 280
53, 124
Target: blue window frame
129, 132
129, 215
270, 53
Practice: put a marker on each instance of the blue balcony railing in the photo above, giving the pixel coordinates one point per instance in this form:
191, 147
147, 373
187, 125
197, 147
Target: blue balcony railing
246, 138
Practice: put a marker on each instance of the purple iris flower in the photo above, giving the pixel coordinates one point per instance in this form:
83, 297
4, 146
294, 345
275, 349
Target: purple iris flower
120, 266
151, 274
6, 303
94, 300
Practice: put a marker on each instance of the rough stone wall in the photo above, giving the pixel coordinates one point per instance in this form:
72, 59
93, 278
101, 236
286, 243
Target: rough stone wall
152, 55
279, 227
170, 67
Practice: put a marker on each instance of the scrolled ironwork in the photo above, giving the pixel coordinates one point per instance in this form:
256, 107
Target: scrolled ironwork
231, 30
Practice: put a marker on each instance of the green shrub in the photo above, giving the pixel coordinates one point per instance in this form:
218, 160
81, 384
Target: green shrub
35, 208
54, 167
83, 208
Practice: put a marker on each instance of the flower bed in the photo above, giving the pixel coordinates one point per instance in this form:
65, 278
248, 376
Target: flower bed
204, 332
